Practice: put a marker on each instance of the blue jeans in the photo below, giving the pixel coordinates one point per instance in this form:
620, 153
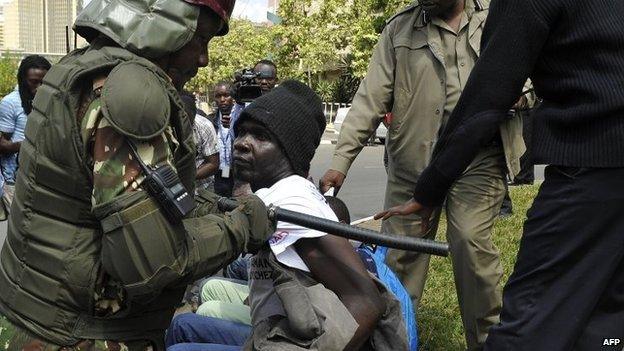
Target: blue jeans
190, 331
238, 269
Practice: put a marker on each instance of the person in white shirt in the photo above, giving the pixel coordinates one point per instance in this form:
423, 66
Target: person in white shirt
276, 138
309, 290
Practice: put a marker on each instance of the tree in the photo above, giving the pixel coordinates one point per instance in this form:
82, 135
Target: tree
368, 18
8, 74
313, 37
244, 45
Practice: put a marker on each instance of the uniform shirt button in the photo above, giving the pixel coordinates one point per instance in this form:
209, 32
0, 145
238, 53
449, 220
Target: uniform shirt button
437, 112
462, 64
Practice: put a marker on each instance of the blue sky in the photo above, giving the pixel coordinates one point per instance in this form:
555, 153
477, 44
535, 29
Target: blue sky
254, 10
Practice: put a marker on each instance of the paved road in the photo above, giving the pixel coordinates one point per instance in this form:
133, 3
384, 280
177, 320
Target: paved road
365, 185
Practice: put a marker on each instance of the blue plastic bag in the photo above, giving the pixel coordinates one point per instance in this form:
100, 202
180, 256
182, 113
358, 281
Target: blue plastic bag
375, 263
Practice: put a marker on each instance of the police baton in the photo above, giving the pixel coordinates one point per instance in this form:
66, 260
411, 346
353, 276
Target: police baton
347, 231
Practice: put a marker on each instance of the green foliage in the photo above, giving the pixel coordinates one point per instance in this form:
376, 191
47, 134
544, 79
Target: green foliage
245, 44
311, 36
326, 90
6, 332
8, 74
314, 37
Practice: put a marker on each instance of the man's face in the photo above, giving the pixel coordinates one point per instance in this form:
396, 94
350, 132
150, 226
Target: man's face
34, 77
267, 78
258, 157
184, 63
439, 7
224, 103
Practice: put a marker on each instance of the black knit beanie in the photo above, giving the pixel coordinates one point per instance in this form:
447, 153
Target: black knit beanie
294, 114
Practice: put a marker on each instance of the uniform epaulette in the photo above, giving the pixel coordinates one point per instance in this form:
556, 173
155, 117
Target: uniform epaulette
415, 5
482, 5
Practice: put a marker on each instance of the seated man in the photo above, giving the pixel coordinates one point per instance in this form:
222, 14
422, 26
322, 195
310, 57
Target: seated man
309, 287
225, 298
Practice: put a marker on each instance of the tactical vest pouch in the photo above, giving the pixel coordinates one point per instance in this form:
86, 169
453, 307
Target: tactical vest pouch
141, 248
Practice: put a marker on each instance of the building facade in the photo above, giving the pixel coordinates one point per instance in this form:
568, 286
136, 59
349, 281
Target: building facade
39, 26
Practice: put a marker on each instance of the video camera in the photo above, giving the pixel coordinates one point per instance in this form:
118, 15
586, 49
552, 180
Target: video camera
246, 88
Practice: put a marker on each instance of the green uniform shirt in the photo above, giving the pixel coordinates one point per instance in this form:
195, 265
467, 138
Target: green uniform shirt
459, 61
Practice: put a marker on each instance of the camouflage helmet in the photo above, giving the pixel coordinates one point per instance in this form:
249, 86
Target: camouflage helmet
149, 28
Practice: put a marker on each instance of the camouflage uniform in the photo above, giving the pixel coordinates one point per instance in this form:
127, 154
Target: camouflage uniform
16, 338
114, 172
89, 256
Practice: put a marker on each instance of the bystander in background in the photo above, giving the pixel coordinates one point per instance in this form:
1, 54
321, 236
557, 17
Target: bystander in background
14, 109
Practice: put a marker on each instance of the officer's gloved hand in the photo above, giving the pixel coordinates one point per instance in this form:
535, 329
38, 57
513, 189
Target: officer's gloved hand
260, 226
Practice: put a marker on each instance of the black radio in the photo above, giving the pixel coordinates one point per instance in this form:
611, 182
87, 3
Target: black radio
164, 185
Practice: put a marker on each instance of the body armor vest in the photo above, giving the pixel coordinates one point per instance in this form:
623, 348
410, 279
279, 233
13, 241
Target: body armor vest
50, 262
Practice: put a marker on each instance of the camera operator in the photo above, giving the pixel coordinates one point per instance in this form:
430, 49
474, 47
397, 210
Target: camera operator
266, 75
249, 85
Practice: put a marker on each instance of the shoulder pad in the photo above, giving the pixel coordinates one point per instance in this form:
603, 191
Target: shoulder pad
135, 101
413, 6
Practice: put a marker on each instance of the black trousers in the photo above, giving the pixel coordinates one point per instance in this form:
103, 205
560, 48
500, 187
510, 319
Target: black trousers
567, 288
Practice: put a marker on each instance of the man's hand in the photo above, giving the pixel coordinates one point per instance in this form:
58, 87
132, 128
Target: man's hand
332, 178
7, 147
408, 208
261, 228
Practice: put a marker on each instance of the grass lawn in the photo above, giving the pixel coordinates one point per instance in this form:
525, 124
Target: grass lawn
439, 323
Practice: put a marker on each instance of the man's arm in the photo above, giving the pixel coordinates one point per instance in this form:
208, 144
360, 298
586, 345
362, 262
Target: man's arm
186, 250
209, 168
209, 148
8, 110
371, 102
8, 147
512, 42
334, 263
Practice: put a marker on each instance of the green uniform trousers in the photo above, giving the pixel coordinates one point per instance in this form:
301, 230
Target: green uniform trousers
472, 206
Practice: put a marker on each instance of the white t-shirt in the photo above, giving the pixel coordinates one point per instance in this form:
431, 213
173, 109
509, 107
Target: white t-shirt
296, 194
